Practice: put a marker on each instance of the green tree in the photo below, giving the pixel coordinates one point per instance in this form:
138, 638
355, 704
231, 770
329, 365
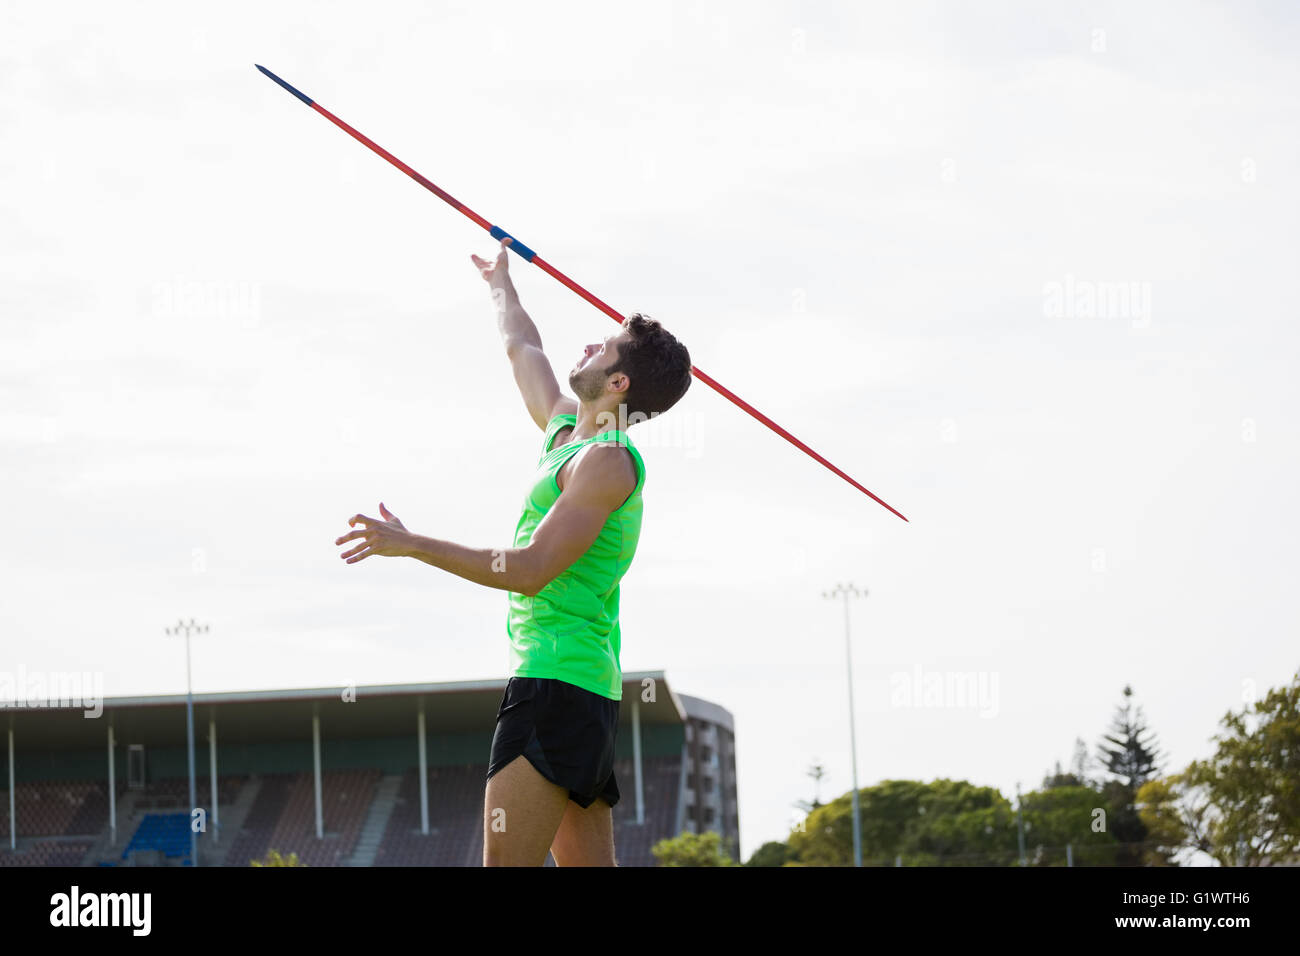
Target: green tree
772, 853
1063, 815
1129, 758
946, 821
1158, 806
1058, 778
1242, 805
693, 849
1077, 776
1129, 761
273, 858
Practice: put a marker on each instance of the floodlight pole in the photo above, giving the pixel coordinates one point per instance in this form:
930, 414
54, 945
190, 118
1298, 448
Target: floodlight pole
187, 629
845, 591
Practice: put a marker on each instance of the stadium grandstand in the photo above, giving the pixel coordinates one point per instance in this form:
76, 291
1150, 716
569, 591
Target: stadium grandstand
388, 775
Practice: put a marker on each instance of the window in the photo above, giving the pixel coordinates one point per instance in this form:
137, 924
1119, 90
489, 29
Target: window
708, 815
705, 754
708, 784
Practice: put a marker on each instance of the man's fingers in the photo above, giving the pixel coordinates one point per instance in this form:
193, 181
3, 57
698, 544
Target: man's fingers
362, 518
359, 533
361, 547
359, 557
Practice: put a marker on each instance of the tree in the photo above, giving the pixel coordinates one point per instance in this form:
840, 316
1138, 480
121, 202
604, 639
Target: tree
816, 771
946, 821
772, 853
1060, 779
1081, 763
1158, 806
1129, 761
1078, 773
273, 858
1242, 805
693, 849
1064, 815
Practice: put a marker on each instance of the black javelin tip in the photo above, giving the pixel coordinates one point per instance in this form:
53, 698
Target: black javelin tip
300, 96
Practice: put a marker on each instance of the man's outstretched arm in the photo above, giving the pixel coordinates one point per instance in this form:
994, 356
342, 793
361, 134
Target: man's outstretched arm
601, 482
533, 372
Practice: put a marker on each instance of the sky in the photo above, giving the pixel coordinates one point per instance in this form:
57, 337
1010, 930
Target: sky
1019, 268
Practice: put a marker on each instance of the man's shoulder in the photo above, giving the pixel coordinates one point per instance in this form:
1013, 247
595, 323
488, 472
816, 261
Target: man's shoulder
611, 465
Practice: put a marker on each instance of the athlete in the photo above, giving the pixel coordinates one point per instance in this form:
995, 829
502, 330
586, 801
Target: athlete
550, 778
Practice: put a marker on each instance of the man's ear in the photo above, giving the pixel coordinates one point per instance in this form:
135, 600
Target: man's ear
619, 382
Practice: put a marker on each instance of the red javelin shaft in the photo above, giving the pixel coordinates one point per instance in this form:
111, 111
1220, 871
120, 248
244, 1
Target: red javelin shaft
530, 256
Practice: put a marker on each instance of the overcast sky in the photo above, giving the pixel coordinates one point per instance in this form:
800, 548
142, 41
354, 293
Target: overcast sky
1019, 268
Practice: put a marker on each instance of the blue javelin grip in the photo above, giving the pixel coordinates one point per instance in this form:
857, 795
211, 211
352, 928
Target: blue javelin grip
515, 244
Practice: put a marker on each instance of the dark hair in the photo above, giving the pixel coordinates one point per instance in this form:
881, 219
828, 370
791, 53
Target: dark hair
658, 365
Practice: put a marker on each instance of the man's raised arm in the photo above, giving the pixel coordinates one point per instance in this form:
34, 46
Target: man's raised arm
533, 372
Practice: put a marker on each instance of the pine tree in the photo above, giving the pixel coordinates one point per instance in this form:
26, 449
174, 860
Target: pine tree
1078, 773
1059, 778
1081, 761
1130, 761
816, 771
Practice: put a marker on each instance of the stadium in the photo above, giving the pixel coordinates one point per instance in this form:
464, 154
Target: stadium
388, 775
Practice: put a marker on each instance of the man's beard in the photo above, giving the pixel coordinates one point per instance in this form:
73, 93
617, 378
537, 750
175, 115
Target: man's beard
587, 383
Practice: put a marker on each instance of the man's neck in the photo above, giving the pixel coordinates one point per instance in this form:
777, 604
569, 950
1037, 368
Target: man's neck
592, 421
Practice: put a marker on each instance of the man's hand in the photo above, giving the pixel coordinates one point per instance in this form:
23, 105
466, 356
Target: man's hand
389, 538
496, 273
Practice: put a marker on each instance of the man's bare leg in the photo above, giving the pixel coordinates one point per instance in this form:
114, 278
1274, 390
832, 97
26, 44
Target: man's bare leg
521, 812
585, 837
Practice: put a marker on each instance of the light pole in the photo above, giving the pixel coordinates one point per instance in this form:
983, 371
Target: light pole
1020, 824
846, 591
188, 629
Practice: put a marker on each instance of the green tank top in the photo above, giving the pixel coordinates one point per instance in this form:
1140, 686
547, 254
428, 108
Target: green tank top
569, 630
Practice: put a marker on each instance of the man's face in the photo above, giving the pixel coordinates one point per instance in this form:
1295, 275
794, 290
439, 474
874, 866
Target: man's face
587, 379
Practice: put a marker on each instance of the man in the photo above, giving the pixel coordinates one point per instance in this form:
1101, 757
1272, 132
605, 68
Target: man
551, 781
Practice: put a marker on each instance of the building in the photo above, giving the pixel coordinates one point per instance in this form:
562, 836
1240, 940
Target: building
386, 775
709, 799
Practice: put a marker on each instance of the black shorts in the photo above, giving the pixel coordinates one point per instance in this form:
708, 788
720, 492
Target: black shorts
565, 732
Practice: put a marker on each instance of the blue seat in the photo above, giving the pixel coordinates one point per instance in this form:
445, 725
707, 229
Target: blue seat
168, 833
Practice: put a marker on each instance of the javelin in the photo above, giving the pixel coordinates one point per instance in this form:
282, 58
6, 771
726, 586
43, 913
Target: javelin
530, 256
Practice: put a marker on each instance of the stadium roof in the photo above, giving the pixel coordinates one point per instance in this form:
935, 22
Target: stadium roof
374, 710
